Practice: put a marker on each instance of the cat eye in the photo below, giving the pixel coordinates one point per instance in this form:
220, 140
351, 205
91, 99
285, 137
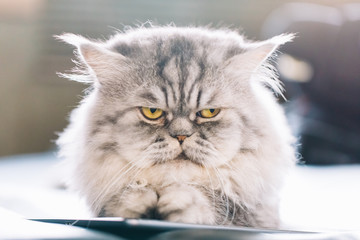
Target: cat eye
151, 113
208, 113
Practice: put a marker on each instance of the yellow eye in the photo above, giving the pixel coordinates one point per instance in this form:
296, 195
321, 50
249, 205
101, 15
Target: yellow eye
152, 113
208, 113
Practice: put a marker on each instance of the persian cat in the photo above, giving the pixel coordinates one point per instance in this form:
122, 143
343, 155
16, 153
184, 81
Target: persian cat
180, 124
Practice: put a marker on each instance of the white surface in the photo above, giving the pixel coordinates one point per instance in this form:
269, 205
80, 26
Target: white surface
314, 198
28, 187
322, 198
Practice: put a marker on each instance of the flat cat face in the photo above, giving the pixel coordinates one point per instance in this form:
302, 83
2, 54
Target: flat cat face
174, 94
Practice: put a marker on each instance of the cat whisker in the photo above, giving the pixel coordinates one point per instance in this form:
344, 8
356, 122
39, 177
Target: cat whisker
112, 182
212, 188
233, 169
138, 170
236, 170
234, 211
131, 182
223, 190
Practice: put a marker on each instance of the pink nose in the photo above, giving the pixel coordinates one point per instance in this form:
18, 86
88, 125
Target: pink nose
181, 138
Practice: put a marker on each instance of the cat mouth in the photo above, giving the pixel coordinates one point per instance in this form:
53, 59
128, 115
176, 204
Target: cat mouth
182, 156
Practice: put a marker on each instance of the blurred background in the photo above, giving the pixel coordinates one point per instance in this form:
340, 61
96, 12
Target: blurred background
320, 69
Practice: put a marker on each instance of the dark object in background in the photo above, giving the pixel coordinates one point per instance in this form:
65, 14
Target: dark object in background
249, 235
321, 72
144, 229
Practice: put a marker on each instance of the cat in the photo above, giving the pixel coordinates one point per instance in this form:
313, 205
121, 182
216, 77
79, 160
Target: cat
180, 124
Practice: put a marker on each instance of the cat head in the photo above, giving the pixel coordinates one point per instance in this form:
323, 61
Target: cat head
174, 94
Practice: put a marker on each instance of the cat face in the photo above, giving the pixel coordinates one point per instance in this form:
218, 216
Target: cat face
173, 95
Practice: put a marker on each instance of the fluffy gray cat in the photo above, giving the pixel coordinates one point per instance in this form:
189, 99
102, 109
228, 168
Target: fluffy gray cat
180, 124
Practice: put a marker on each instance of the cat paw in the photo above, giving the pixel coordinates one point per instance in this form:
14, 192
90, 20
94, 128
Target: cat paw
186, 204
133, 203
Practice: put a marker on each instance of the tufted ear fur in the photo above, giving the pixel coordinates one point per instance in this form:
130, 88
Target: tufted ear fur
97, 58
253, 62
258, 53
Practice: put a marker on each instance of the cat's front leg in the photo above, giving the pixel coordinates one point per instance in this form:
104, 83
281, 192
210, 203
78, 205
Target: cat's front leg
186, 204
132, 202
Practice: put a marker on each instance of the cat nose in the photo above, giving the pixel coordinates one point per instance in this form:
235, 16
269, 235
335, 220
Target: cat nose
181, 138
180, 128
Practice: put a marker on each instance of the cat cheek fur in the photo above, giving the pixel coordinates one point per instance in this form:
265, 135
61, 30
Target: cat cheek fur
227, 171
216, 143
148, 144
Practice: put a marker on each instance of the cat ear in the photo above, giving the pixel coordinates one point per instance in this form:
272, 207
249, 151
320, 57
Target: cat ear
258, 53
96, 56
